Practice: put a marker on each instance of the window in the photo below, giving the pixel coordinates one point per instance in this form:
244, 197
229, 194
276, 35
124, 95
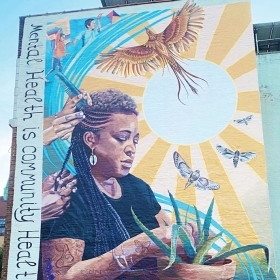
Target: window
2, 225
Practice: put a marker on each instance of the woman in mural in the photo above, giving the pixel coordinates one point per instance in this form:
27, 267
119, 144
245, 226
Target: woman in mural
97, 237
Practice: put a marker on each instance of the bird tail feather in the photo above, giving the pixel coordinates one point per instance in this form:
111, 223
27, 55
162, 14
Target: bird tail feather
184, 78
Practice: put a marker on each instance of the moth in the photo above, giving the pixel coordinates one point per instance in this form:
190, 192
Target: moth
244, 120
193, 177
236, 156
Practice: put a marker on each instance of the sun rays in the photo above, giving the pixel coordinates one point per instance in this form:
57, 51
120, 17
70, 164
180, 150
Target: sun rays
221, 43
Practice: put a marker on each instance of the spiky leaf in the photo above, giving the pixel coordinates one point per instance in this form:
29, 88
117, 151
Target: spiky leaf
188, 247
204, 249
176, 209
165, 248
199, 228
224, 249
174, 238
186, 216
240, 250
208, 220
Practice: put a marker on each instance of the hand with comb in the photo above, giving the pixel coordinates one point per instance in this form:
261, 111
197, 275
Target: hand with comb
75, 103
73, 92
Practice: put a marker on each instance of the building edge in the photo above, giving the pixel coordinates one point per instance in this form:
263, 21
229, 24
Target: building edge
13, 124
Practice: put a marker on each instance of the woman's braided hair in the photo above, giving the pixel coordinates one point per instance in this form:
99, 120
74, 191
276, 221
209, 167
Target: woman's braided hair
110, 231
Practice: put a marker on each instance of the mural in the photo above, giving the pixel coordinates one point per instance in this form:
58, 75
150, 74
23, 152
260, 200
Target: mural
153, 159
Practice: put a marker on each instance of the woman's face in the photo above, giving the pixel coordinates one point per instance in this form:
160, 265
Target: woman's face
116, 146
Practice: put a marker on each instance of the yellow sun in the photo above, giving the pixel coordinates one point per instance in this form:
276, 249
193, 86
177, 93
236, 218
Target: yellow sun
229, 44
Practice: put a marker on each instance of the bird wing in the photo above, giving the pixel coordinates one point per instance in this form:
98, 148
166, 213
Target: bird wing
239, 121
183, 28
249, 118
247, 156
131, 61
182, 166
205, 184
227, 153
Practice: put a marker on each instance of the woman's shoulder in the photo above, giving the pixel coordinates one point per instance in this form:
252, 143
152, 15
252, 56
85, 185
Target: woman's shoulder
134, 179
134, 183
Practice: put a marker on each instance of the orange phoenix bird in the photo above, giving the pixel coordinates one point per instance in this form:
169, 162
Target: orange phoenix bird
161, 50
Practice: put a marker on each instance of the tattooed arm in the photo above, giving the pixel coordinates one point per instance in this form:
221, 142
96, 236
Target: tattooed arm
62, 258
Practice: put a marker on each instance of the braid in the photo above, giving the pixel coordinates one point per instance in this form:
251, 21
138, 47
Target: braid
109, 229
63, 167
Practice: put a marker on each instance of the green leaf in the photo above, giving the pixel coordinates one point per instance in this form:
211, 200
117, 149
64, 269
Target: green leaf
224, 249
176, 209
199, 228
186, 216
240, 250
202, 252
208, 220
188, 247
174, 237
165, 248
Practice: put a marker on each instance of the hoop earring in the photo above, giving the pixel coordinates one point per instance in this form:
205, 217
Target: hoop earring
92, 158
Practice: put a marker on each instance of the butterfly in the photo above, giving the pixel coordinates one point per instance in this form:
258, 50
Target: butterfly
142, 247
236, 156
244, 120
200, 183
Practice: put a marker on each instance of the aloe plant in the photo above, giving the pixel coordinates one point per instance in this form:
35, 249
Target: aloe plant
199, 253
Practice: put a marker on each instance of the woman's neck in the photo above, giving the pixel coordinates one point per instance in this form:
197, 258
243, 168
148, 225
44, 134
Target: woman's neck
109, 186
97, 175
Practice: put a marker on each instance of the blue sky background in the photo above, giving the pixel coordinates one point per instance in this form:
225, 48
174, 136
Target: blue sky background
11, 10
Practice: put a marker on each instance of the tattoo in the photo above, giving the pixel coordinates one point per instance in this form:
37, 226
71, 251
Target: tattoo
114, 270
131, 260
58, 255
141, 247
66, 258
98, 274
112, 265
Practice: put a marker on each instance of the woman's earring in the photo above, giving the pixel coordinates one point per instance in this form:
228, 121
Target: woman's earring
93, 158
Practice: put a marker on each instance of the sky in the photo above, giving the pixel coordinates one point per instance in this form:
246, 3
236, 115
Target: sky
11, 10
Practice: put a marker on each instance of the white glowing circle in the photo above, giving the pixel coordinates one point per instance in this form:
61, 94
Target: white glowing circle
202, 117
